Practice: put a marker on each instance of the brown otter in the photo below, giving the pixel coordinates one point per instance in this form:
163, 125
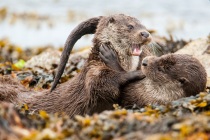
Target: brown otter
96, 87
169, 77
125, 34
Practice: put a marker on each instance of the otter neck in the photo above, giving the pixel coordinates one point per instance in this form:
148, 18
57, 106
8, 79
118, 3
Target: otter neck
128, 62
163, 91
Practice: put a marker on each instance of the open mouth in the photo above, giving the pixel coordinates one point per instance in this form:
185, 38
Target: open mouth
136, 49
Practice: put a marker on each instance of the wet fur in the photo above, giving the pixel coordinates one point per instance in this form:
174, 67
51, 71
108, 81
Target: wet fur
96, 87
168, 78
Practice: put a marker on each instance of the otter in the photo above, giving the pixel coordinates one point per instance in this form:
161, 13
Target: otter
96, 87
125, 34
168, 77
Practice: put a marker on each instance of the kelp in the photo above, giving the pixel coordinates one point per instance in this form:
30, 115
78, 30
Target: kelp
186, 118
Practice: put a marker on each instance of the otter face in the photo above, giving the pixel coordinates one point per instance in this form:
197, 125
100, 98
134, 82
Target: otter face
158, 68
125, 33
183, 70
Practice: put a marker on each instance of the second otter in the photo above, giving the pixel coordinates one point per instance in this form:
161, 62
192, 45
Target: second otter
168, 78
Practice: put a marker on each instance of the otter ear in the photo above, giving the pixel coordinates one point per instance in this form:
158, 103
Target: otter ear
183, 80
111, 20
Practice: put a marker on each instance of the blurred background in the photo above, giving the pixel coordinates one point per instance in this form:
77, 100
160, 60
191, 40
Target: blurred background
32, 23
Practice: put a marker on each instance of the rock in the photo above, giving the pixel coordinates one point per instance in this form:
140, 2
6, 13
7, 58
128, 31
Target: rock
42, 67
50, 59
45, 60
200, 49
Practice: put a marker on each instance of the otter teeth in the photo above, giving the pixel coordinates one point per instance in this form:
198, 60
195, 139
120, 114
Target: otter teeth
136, 51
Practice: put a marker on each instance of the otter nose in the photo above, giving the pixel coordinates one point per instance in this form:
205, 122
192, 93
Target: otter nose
144, 62
145, 34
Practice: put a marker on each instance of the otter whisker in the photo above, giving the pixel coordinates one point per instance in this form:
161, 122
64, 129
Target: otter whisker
156, 48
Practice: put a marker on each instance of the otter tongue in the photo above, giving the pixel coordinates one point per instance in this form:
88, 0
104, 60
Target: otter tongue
136, 50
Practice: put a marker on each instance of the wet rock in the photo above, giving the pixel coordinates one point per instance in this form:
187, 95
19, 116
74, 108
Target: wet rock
50, 59
43, 66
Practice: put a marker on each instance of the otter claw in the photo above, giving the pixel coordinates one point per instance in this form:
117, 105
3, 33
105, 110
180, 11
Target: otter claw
103, 58
101, 49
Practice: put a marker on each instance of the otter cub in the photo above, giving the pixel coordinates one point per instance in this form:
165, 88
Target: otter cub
169, 77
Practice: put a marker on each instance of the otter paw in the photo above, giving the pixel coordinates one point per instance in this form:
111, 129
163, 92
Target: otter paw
110, 58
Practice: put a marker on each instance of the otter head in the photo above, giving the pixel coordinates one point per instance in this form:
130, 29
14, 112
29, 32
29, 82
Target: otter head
176, 70
126, 34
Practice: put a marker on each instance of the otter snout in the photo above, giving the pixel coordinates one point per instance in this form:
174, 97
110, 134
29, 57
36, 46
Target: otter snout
147, 60
144, 34
144, 62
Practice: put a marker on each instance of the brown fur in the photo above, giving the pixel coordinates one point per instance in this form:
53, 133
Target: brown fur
96, 87
168, 78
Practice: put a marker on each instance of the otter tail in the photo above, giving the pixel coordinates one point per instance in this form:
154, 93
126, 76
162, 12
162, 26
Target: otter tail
87, 27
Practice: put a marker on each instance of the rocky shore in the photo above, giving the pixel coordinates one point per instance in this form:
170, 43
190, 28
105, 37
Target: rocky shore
186, 118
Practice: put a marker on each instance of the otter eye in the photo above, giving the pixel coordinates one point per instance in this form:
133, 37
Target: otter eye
161, 69
130, 27
183, 80
167, 67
